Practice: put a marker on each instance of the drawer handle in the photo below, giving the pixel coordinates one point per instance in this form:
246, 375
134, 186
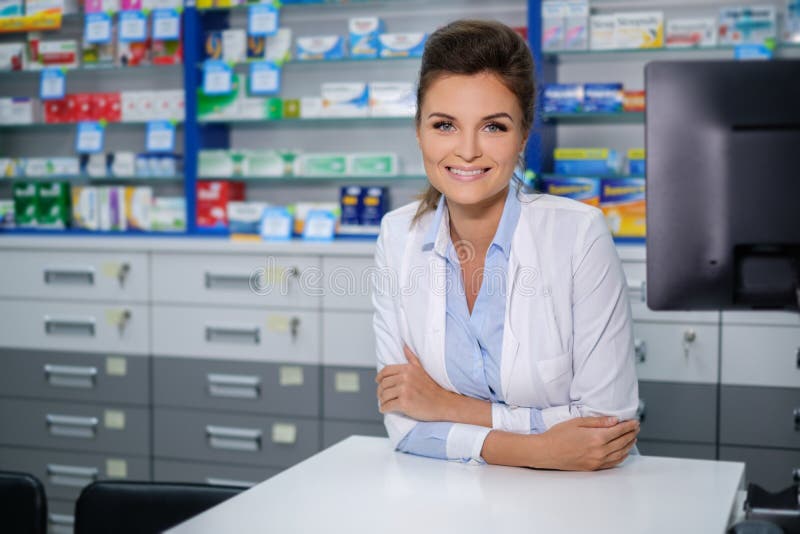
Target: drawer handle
635, 287
72, 476
797, 356
641, 411
69, 276
796, 414
234, 386
70, 426
228, 280
233, 334
796, 474
233, 439
70, 376
230, 482
62, 520
640, 350
83, 326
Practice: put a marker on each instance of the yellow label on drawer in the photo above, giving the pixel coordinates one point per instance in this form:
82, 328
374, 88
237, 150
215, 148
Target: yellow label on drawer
117, 316
284, 433
114, 419
278, 323
116, 366
110, 269
347, 382
290, 375
116, 468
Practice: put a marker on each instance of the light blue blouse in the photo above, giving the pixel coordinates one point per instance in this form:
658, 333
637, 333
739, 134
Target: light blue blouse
473, 342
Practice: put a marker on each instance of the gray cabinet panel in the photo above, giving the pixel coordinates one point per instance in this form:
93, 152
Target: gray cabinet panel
64, 474
235, 439
767, 417
263, 388
106, 276
698, 451
348, 283
350, 393
761, 355
335, 431
79, 427
210, 473
60, 516
679, 412
74, 376
771, 469
348, 339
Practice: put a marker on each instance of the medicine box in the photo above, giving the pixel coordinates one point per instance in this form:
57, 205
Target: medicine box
12, 56
691, 33
212, 201
374, 205
138, 201
245, 217
553, 24
402, 44
111, 208
747, 25
576, 25
10, 8
602, 32
392, 99
622, 201
582, 189
345, 99
25, 203
350, 206
279, 46
602, 97
364, 32
320, 47
563, 98
85, 207
53, 206
372, 164
325, 164
586, 161
636, 162
643, 29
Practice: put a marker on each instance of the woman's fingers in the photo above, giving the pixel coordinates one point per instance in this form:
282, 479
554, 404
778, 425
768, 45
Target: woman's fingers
388, 382
621, 442
389, 394
616, 431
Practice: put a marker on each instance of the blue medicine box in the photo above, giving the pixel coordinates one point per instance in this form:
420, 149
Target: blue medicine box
563, 98
602, 97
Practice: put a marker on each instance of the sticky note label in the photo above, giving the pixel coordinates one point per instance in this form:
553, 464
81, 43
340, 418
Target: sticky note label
278, 323
116, 468
116, 366
97, 28
290, 375
217, 78
110, 269
114, 419
115, 317
347, 382
160, 136
52, 85
284, 433
166, 24
90, 138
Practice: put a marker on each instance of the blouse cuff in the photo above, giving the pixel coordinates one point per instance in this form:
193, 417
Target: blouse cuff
465, 442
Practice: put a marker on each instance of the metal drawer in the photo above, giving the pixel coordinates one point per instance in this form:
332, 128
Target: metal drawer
350, 393
82, 327
761, 317
661, 354
74, 376
347, 283
772, 469
64, 474
697, 451
235, 439
636, 276
761, 355
767, 417
52, 275
236, 333
335, 431
348, 338
214, 474
247, 280
262, 388
678, 412
78, 427
60, 516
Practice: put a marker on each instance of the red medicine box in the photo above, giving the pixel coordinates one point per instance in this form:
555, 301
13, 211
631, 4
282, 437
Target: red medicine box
55, 111
212, 202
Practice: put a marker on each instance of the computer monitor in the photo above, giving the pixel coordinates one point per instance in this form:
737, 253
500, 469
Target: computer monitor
723, 184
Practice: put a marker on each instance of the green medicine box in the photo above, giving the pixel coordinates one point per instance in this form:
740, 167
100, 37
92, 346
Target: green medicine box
25, 203
54, 205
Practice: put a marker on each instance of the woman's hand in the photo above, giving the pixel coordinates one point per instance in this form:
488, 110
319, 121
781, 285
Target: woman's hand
589, 443
408, 389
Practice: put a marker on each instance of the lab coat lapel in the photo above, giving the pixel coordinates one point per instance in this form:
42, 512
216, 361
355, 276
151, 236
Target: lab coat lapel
434, 358
510, 344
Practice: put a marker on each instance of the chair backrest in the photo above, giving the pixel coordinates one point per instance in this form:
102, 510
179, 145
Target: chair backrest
143, 507
23, 506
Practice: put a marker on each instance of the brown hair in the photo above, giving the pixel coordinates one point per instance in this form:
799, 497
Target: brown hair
470, 47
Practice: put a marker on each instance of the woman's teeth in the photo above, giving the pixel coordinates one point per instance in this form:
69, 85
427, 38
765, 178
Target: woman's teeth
460, 172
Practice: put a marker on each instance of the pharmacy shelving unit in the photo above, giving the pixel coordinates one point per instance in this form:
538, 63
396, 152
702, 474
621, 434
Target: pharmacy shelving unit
712, 385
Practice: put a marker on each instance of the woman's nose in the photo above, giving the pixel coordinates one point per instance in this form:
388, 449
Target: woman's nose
468, 147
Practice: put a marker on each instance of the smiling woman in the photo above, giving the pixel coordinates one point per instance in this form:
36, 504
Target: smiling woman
508, 338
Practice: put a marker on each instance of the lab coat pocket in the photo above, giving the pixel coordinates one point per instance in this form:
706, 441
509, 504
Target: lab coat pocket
556, 375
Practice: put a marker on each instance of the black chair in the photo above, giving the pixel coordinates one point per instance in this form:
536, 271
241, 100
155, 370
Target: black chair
143, 507
23, 507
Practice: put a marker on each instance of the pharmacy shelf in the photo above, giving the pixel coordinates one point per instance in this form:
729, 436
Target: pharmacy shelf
334, 121
138, 180
306, 63
329, 4
61, 126
721, 51
550, 176
317, 180
84, 232
625, 117
92, 69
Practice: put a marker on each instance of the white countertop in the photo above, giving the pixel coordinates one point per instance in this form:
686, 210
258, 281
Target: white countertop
134, 243
361, 486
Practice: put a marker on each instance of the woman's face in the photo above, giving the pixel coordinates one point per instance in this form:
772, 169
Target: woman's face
470, 133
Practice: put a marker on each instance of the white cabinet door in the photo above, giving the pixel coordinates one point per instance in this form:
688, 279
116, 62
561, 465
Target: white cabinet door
761, 355
677, 352
347, 283
348, 339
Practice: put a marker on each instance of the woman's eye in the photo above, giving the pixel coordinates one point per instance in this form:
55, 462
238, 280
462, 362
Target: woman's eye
495, 127
443, 126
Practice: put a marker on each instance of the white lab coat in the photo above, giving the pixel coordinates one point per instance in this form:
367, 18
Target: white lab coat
567, 341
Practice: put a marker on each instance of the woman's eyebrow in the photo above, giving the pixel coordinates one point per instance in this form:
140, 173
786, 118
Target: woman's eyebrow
500, 115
